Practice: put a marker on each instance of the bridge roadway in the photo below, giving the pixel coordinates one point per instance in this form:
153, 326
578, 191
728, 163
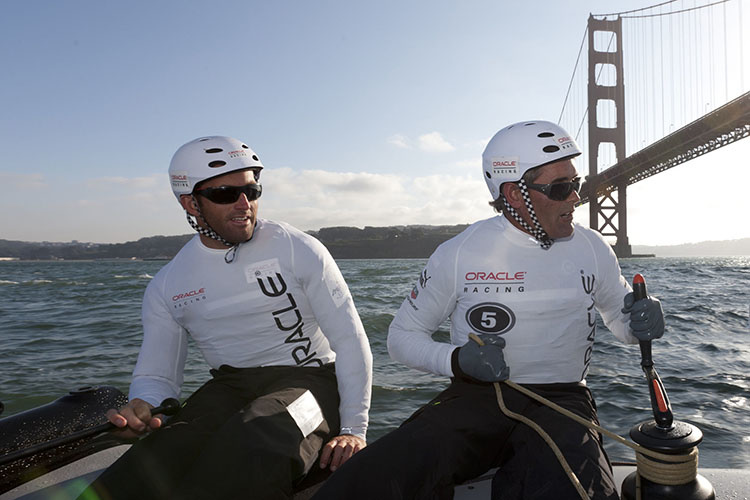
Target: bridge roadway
718, 128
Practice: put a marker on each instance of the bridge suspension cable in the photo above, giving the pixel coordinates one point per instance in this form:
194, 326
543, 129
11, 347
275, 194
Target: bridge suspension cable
623, 13
682, 58
677, 11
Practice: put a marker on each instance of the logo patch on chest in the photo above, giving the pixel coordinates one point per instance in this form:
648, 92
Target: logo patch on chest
491, 317
262, 269
186, 298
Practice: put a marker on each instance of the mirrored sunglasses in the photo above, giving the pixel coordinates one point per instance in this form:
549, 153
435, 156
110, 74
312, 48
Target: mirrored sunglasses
558, 191
224, 195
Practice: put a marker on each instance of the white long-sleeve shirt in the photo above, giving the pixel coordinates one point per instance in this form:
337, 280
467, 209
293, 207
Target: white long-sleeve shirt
282, 301
495, 279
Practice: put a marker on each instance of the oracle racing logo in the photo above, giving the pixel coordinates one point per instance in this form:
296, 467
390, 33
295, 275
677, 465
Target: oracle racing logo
505, 165
179, 180
237, 153
484, 276
566, 142
494, 281
289, 322
187, 298
588, 282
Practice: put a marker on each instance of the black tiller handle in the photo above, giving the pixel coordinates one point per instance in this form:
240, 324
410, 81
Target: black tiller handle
658, 394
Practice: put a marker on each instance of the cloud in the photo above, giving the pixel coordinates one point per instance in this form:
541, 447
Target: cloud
435, 143
135, 183
478, 144
473, 164
23, 181
311, 199
103, 210
399, 141
323, 188
148, 193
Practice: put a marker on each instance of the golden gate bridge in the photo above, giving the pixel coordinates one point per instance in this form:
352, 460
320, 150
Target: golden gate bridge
669, 78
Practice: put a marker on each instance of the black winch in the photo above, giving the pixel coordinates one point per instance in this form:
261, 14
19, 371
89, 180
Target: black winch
673, 476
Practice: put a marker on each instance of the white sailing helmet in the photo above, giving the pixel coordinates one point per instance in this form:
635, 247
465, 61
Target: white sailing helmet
207, 157
521, 147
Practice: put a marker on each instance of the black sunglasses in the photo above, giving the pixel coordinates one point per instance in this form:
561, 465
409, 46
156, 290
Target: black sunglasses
558, 191
224, 195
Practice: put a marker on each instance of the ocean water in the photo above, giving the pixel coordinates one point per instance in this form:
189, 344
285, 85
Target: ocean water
68, 324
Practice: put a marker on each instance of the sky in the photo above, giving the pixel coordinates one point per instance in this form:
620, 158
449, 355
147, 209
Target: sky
363, 113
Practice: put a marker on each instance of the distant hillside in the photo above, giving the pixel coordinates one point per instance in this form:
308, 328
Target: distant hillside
394, 242
702, 249
397, 242
146, 248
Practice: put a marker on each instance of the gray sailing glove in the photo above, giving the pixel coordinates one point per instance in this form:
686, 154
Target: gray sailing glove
484, 363
646, 317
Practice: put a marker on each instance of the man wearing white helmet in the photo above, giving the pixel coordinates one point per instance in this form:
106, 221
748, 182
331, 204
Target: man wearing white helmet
526, 283
270, 311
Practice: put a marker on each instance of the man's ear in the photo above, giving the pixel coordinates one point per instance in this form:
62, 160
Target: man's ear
189, 204
512, 193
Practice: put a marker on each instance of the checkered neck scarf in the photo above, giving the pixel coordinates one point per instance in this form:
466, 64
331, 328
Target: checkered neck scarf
541, 236
208, 231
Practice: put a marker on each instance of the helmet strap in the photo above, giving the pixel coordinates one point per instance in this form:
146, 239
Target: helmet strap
209, 232
537, 231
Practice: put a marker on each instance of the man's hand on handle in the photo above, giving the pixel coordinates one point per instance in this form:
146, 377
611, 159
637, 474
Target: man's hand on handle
135, 418
646, 317
485, 363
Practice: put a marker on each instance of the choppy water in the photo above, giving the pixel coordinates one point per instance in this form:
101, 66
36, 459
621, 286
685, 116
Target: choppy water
68, 324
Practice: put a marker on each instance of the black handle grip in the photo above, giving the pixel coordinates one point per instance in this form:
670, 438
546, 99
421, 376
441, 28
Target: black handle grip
658, 394
167, 407
639, 292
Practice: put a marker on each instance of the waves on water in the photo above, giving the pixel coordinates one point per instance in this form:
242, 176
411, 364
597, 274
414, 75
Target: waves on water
68, 324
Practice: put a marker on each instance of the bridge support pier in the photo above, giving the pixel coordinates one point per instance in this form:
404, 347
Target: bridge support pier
610, 95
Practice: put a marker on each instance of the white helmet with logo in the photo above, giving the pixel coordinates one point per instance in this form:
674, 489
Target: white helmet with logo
207, 157
521, 147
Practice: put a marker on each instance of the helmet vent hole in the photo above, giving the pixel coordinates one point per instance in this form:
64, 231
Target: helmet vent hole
217, 164
546, 134
255, 157
214, 150
550, 149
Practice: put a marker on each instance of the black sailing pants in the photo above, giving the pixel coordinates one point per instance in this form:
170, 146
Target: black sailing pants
234, 438
462, 433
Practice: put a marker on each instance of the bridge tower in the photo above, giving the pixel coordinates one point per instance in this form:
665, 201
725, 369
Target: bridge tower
601, 98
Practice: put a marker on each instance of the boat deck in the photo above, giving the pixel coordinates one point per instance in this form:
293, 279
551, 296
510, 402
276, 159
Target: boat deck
67, 482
